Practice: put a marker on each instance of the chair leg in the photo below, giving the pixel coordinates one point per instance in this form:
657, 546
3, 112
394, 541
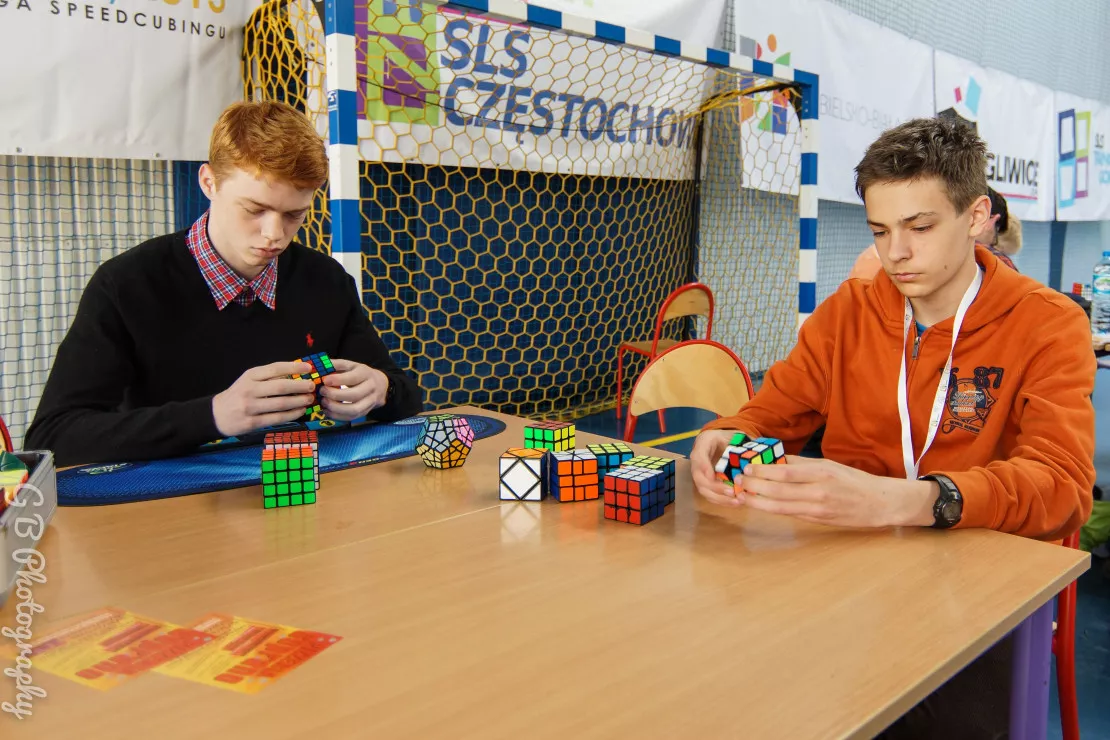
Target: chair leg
630, 428
620, 370
1065, 663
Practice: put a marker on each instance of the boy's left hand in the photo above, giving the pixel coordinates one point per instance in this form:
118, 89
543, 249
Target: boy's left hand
353, 390
827, 492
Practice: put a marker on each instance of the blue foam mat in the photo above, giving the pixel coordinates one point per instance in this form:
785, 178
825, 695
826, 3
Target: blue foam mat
232, 466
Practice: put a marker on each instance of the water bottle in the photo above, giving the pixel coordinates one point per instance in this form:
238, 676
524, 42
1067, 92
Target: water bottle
1100, 296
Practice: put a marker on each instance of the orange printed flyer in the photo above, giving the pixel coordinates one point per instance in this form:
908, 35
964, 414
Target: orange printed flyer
110, 646
244, 655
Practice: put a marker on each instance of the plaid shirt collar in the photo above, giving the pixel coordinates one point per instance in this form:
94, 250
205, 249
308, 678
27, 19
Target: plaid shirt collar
225, 284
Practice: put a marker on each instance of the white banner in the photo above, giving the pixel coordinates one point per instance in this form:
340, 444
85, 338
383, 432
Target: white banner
1017, 120
118, 78
692, 21
1082, 159
871, 79
465, 90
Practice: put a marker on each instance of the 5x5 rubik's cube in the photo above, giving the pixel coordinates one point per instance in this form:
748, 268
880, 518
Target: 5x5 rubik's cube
290, 469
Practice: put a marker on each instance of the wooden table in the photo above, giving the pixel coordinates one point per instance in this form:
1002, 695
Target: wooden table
464, 617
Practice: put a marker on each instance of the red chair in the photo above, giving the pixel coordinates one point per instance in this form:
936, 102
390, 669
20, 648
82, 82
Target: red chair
692, 299
1063, 647
700, 374
6, 438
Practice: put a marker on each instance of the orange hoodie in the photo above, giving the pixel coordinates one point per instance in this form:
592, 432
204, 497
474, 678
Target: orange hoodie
1017, 432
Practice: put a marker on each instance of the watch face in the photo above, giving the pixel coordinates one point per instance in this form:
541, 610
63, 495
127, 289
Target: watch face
951, 511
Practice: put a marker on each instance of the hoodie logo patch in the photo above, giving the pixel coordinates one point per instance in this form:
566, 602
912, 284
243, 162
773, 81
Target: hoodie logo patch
970, 399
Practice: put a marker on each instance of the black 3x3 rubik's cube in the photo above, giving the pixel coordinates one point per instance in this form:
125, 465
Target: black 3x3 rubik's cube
321, 366
743, 451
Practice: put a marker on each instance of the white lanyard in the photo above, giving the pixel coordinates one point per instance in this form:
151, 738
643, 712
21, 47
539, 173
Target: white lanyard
942, 389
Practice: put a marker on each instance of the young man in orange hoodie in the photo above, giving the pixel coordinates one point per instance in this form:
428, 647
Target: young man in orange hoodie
955, 392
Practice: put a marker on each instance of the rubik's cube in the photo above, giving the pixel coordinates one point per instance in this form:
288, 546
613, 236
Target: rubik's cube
742, 452
663, 465
321, 366
557, 436
290, 469
572, 476
521, 475
723, 470
289, 440
445, 441
610, 456
635, 495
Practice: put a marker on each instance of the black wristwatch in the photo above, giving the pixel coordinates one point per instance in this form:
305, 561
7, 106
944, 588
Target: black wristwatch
949, 506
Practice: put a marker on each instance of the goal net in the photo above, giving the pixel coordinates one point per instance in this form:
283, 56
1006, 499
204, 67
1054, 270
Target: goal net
518, 196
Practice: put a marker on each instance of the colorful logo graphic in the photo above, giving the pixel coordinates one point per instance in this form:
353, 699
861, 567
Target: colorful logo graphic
1074, 156
966, 108
772, 113
970, 399
969, 95
398, 79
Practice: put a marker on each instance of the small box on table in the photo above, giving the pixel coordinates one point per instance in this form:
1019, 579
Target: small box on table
24, 521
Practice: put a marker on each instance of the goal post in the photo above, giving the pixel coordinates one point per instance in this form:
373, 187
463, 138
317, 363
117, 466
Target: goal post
517, 189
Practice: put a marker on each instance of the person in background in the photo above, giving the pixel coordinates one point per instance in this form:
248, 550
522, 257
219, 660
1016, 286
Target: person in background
1009, 242
1000, 229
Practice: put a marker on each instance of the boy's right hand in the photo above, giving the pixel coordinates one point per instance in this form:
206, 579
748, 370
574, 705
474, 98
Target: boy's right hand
708, 448
263, 396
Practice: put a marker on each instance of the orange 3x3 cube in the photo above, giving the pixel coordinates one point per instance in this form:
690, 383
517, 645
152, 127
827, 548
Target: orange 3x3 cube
572, 476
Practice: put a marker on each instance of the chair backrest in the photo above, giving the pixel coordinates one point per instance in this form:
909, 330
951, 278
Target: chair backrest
696, 374
692, 299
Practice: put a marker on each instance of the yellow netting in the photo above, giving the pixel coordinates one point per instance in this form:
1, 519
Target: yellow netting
748, 235
283, 59
529, 198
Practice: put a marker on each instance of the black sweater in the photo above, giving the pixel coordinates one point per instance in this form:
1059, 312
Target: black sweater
148, 349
